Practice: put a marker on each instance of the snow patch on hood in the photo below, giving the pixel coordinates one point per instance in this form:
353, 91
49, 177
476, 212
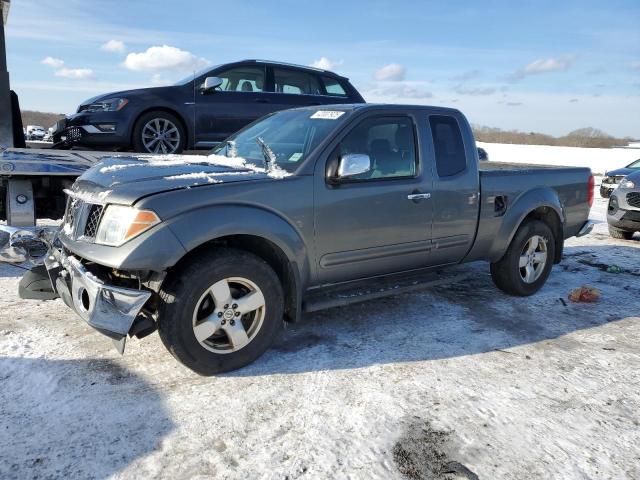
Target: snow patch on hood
209, 177
88, 197
213, 159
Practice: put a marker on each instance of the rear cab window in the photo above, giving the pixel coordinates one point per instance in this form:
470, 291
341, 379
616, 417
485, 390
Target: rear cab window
448, 145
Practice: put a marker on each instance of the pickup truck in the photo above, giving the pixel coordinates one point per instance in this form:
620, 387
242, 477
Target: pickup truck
301, 210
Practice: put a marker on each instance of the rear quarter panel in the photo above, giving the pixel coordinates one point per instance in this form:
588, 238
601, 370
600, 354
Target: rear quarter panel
564, 189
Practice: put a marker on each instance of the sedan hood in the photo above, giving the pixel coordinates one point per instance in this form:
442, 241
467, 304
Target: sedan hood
125, 94
126, 179
620, 172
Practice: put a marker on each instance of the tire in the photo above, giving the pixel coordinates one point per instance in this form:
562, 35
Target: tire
186, 300
509, 276
173, 137
620, 234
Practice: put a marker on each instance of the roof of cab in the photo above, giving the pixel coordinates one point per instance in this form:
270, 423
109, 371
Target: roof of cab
379, 106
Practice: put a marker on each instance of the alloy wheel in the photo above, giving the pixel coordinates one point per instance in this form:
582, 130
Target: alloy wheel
533, 259
229, 315
160, 135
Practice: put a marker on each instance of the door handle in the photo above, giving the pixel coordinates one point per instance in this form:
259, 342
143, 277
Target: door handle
419, 196
261, 100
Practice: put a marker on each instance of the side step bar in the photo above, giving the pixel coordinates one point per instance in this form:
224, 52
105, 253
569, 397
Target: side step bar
379, 287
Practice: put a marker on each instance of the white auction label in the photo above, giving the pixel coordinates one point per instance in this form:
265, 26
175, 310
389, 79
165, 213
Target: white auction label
327, 114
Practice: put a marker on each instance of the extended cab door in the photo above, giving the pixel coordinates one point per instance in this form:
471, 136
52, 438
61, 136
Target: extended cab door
456, 193
378, 222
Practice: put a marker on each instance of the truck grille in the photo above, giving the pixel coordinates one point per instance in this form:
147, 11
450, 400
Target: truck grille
81, 219
91, 228
633, 199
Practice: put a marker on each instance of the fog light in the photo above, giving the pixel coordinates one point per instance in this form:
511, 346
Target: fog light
613, 205
107, 127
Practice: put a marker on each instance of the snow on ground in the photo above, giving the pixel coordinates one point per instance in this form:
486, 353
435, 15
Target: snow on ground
598, 159
458, 378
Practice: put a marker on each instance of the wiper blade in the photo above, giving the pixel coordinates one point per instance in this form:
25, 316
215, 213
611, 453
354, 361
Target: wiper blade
269, 156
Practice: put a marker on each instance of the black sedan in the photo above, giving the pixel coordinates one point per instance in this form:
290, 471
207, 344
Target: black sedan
201, 110
612, 178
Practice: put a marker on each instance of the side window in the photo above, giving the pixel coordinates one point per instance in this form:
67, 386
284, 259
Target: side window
390, 144
242, 79
295, 82
333, 87
448, 145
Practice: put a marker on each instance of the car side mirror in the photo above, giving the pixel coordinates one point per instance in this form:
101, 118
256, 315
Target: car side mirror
210, 84
352, 164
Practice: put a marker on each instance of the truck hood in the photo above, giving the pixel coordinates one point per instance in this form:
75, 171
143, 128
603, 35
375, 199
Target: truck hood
126, 179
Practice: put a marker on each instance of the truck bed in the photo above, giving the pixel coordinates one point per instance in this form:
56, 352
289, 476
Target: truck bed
513, 181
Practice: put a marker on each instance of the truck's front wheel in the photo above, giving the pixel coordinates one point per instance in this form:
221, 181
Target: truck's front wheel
526, 265
221, 312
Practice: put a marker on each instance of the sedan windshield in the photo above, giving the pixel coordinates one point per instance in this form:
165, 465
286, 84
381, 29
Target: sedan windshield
635, 164
284, 138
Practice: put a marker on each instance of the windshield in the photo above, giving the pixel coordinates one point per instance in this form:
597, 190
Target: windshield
289, 135
193, 75
635, 164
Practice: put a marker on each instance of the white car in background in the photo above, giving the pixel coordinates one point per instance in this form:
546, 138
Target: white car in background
35, 132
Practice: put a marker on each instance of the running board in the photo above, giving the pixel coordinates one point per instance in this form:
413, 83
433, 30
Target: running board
379, 287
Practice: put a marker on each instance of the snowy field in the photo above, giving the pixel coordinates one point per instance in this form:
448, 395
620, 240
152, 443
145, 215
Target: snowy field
598, 159
459, 379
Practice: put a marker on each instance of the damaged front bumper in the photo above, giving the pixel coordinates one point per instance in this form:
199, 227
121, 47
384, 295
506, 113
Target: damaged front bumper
109, 309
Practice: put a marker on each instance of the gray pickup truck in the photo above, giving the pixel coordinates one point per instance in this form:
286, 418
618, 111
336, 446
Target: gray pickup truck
302, 210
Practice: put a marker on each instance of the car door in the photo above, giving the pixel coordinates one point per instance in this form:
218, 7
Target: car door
455, 194
237, 102
379, 222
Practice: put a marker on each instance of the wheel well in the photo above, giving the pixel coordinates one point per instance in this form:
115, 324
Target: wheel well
549, 216
167, 110
270, 253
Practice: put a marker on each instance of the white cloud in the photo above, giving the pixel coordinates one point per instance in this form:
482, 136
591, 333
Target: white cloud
52, 62
464, 90
325, 64
543, 65
114, 46
157, 80
392, 72
75, 73
399, 93
164, 58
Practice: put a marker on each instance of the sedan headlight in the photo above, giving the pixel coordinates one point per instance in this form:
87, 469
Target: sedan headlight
626, 183
108, 105
120, 224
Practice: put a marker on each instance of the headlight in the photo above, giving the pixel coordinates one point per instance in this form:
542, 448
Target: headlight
626, 183
608, 179
108, 105
120, 224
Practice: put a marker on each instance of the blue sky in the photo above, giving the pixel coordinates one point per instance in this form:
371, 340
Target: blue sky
533, 66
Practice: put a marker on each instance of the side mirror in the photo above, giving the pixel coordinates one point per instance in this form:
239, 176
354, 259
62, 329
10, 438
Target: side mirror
210, 84
353, 164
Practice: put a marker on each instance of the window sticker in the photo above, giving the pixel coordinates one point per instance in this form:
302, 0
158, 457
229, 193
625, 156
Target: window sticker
295, 157
327, 114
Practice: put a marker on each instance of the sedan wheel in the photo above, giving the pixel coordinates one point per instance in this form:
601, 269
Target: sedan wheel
160, 135
229, 315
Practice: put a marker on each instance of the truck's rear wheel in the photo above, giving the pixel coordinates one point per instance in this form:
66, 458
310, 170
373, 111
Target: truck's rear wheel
221, 312
526, 265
